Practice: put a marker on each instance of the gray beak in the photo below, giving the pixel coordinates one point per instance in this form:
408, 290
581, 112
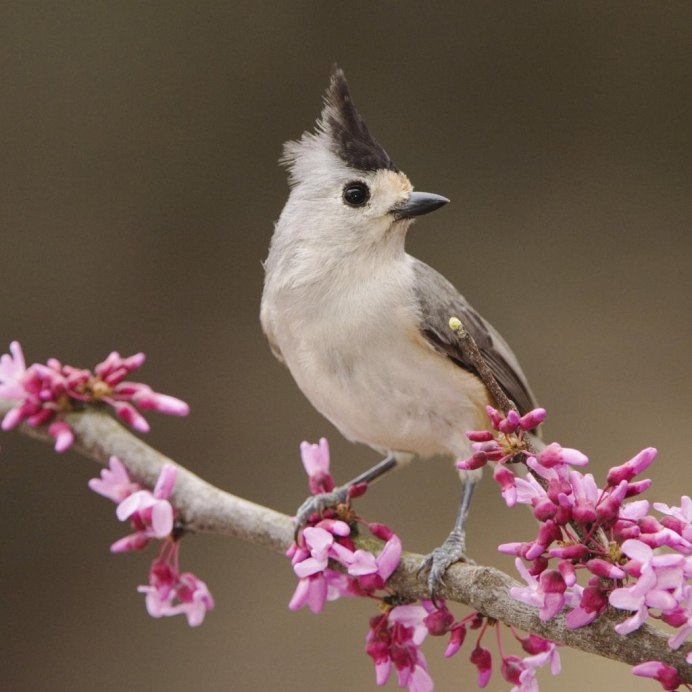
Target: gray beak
417, 204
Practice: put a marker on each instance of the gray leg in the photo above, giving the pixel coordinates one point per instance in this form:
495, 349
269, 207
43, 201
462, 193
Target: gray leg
454, 547
318, 503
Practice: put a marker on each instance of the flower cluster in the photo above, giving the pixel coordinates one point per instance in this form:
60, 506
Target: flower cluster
45, 393
330, 538
395, 638
329, 566
151, 516
584, 529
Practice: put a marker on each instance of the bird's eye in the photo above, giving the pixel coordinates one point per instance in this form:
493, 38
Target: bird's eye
356, 194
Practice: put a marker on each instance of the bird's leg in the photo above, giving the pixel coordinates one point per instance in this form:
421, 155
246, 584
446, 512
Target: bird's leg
318, 503
454, 547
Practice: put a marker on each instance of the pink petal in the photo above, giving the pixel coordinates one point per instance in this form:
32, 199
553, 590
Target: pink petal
162, 518
625, 600
164, 485
633, 623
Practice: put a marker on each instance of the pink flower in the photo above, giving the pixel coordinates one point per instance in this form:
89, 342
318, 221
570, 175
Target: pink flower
554, 455
151, 514
678, 519
638, 463
666, 675
507, 482
114, 483
12, 369
661, 578
45, 393
171, 593
550, 593
482, 659
373, 572
394, 640
316, 462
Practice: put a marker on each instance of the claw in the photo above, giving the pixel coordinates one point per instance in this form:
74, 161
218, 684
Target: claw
317, 504
439, 560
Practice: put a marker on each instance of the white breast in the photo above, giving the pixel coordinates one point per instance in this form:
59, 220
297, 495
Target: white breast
352, 344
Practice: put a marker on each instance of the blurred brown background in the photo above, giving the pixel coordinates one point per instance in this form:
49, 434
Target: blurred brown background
139, 186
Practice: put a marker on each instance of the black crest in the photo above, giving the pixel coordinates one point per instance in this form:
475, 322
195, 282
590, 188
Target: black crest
350, 136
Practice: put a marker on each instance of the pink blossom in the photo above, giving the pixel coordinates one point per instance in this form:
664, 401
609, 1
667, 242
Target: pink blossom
318, 542
593, 602
554, 455
114, 483
507, 482
439, 619
150, 513
45, 393
63, 435
394, 640
681, 518
482, 659
661, 577
549, 594
12, 369
627, 471
171, 593
373, 571
684, 613
542, 652
666, 675
316, 462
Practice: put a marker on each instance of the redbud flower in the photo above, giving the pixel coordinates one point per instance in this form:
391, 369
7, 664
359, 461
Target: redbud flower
652, 589
554, 454
681, 515
439, 620
394, 639
482, 659
114, 483
12, 369
44, 393
666, 675
171, 593
151, 514
316, 462
632, 468
549, 594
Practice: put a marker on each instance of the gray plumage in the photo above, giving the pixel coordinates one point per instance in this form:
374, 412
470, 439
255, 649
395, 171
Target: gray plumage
438, 300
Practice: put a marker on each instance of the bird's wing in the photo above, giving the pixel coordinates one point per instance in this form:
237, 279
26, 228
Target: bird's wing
438, 300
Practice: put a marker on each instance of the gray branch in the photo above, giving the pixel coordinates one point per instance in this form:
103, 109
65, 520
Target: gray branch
206, 509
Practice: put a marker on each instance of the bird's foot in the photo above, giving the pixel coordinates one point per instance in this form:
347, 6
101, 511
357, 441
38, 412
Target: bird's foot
317, 504
439, 560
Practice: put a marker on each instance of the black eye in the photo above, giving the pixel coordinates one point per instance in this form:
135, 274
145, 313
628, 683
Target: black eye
356, 194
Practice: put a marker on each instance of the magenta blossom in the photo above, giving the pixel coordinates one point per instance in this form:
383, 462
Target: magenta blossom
171, 593
666, 675
659, 586
394, 641
150, 513
45, 393
114, 483
316, 462
12, 369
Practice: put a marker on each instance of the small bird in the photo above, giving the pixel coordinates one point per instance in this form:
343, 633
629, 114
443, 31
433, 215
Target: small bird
363, 326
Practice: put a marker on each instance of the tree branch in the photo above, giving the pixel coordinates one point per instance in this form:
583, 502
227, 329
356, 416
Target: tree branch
204, 508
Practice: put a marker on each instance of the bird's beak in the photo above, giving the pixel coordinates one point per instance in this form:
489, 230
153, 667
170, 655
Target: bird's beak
417, 204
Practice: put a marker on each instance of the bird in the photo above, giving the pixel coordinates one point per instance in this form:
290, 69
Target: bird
363, 326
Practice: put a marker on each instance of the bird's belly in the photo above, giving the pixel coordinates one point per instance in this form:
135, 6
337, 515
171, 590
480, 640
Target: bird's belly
403, 398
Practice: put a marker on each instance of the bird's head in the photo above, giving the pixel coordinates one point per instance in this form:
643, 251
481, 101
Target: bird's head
345, 190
